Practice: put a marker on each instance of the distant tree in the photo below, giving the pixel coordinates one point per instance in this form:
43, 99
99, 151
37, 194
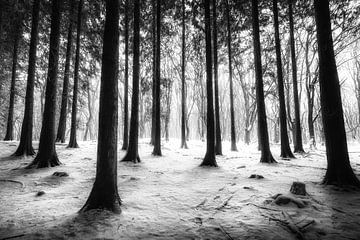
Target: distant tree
46, 156
266, 156
339, 171
210, 158
25, 146
73, 143
104, 194
183, 84
285, 146
132, 153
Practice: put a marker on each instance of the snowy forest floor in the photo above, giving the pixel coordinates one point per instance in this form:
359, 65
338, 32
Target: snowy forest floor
171, 197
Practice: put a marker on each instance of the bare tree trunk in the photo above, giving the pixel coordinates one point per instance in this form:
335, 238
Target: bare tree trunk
153, 110
183, 86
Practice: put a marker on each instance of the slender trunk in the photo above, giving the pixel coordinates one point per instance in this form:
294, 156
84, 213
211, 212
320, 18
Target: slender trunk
298, 147
209, 159
104, 194
183, 86
126, 83
266, 156
153, 110
285, 145
132, 153
47, 156
25, 145
339, 171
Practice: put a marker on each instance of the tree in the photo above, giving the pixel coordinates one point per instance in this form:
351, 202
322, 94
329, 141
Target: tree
209, 159
232, 112
339, 171
60, 137
126, 80
132, 154
73, 142
183, 84
153, 110
104, 194
157, 139
285, 146
266, 156
25, 146
298, 147
46, 156
218, 146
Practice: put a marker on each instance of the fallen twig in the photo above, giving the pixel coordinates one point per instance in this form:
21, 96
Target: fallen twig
292, 226
224, 231
13, 181
12, 237
262, 207
225, 203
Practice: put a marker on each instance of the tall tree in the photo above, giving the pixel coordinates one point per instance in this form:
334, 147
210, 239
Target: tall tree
218, 146
232, 112
46, 156
157, 142
266, 156
132, 154
25, 145
285, 146
153, 110
73, 142
298, 146
126, 80
339, 171
104, 194
17, 37
183, 84
60, 137
210, 158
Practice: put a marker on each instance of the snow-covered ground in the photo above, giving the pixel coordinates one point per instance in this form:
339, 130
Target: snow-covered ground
171, 197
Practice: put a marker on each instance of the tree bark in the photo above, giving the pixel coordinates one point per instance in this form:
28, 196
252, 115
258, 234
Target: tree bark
183, 85
209, 159
153, 110
298, 146
46, 156
25, 146
73, 143
266, 156
132, 153
104, 194
339, 171
285, 145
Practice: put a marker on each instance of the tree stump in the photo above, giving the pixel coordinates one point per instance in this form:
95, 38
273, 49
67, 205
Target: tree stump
298, 188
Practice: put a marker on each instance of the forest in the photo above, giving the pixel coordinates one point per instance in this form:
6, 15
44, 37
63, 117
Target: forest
155, 119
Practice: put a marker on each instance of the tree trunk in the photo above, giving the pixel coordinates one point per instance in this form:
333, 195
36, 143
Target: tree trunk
218, 146
132, 154
126, 83
157, 142
10, 121
25, 145
339, 171
183, 86
73, 142
298, 147
47, 156
104, 194
285, 145
209, 159
153, 110
65, 91
266, 156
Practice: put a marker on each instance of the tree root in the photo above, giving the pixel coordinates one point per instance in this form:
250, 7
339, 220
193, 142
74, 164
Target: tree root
13, 181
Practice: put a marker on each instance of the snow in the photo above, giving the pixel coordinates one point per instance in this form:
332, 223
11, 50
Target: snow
171, 197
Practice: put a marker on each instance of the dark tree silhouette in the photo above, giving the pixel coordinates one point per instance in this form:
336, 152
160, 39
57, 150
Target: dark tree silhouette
60, 137
285, 146
183, 84
153, 110
218, 146
157, 140
73, 143
266, 156
339, 171
232, 112
104, 194
298, 147
210, 158
46, 156
126, 80
132, 154
25, 145
9, 136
